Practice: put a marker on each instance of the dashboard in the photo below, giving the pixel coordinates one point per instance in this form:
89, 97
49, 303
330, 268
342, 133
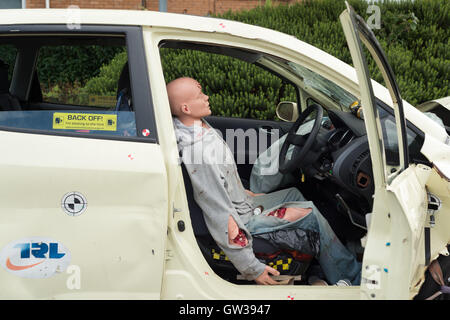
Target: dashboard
341, 154
342, 158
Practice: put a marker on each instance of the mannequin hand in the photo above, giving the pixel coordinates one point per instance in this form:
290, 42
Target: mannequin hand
264, 277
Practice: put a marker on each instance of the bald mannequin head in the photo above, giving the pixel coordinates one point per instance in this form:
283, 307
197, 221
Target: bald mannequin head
187, 101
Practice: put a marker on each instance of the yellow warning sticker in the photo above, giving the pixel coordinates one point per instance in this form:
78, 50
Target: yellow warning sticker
84, 121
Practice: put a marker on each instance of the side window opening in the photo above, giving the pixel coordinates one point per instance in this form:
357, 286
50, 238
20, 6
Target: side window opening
79, 85
236, 88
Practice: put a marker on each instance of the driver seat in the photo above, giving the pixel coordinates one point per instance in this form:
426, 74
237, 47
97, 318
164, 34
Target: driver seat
215, 257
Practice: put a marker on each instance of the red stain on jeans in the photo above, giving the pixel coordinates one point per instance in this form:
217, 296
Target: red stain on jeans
279, 213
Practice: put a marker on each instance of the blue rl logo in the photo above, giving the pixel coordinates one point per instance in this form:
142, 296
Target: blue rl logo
35, 257
39, 250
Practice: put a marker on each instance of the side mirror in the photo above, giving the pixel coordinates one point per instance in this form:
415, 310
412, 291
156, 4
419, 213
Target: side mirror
287, 111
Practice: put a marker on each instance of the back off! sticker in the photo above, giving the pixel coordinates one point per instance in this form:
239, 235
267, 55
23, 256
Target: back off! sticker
84, 121
35, 257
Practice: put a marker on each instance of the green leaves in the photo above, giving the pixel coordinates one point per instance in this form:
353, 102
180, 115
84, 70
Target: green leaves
235, 88
106, 82
414, 34
69, 64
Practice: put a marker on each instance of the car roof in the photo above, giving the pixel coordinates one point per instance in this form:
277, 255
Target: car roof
133, 18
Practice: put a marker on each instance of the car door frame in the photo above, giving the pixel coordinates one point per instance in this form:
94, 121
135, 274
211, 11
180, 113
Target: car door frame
187, 274
395, 253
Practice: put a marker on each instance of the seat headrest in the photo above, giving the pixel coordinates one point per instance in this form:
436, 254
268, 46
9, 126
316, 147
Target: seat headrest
4, 82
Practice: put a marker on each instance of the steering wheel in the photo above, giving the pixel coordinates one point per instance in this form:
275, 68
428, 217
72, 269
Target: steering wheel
302, 143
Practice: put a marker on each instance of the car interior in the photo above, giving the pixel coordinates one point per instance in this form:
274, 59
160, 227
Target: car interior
334, 172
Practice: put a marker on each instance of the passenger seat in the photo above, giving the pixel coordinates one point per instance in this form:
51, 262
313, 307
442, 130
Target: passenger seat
7, 101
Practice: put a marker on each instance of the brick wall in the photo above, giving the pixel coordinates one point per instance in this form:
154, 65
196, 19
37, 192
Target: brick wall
197, 7
88, 4
35, 4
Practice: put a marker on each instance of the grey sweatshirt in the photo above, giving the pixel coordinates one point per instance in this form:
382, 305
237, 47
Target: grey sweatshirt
218, 191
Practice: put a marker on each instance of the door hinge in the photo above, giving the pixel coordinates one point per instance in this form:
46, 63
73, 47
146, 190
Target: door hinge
168, 255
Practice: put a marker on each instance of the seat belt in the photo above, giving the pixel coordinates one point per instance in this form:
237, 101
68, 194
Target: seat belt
436, 273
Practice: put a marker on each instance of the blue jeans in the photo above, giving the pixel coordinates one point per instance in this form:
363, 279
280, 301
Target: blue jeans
336, 260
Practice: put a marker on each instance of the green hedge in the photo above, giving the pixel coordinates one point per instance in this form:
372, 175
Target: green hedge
60, 65
414, 34
106, 82
235, 88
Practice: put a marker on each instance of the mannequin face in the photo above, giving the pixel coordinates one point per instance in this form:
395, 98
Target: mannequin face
196, 103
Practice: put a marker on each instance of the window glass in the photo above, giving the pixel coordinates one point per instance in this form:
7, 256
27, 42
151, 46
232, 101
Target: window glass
94, 122
10, 4
85, 75
390, 139
310, 102
321, 84
77, 87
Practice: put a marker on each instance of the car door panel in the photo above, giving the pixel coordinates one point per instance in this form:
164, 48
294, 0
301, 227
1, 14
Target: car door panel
395, 254
116, 242
84, 191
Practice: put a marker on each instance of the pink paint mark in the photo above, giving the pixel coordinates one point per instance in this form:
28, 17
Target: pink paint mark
130, 157
222, 25
206, 273
291, 298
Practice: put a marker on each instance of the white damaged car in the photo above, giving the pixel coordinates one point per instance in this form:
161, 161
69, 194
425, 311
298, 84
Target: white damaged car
93, 199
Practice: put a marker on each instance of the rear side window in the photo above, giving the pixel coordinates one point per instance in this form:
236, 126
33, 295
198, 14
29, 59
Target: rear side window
68, 84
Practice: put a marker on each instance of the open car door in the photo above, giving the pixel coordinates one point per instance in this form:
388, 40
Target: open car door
398, 247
